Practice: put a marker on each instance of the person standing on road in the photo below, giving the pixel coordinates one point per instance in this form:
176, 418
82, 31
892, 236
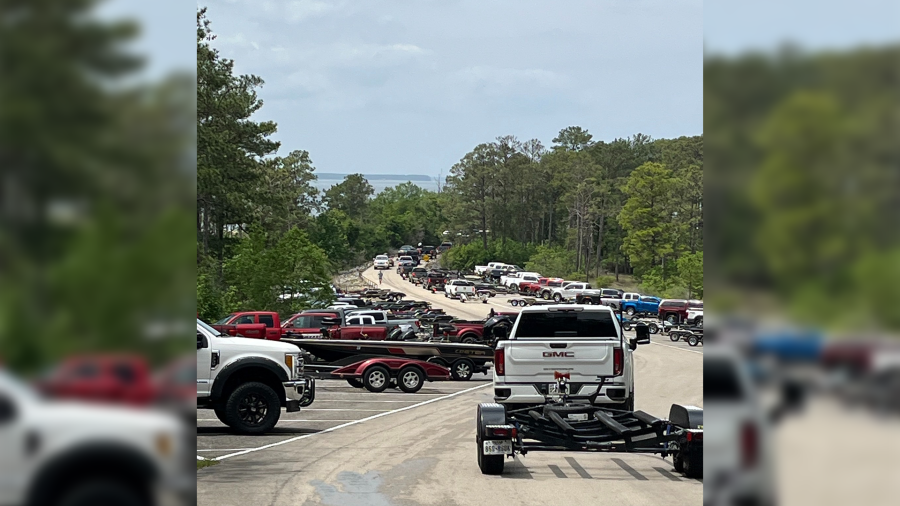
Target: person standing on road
380, 275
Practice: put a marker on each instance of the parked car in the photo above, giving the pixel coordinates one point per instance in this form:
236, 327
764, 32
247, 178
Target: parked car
675, 311
382, 262
456, 287
112, 379
445, 246
252, 324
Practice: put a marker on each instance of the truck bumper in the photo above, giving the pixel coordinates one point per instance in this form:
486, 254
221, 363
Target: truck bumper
299, 393
519, 393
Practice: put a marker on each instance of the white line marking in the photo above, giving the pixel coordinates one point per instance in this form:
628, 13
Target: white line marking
677, 348
351, 400
336, 427
285, 420
222, 450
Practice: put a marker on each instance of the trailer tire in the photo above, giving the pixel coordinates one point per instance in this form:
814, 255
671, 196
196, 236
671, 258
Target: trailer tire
489, 414
693, 464
514, 303
355, 382
693, 341
410, 379
626, 326
376, 379
653, 328
462, 369
674, 336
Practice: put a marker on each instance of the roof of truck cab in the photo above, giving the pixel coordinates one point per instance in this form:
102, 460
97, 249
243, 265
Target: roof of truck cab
584, 307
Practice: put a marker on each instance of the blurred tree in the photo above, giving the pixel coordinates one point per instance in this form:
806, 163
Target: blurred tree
350, 196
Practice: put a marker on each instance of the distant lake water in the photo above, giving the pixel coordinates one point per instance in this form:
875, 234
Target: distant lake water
324, 183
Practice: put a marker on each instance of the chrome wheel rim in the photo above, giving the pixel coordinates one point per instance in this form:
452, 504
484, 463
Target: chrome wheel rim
377, 379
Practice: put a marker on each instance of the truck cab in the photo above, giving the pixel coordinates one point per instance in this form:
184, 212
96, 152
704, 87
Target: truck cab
252, 324
585, 342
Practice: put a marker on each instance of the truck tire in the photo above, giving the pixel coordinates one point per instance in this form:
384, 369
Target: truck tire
672, 318
557, 298
376, 379
678, 461
355, 382
545, 295
219, 410
252, 408
693, 340
468, 339
488, 414
101, 491
410, 379
462, 369
698, 321
630, 311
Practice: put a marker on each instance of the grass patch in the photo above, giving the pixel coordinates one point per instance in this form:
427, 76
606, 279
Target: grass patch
206, 463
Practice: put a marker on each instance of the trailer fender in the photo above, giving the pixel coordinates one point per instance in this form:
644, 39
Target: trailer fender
489, 413
686, 417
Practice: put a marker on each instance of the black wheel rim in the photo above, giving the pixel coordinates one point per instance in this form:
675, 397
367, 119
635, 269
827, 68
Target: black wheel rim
252, 409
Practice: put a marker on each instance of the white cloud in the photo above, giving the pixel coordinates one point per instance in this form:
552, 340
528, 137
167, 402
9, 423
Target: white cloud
300, 10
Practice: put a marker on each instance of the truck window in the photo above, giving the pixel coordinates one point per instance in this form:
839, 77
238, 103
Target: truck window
267, 319
124, 373
720, 381
247, 318
566, 325
223, 321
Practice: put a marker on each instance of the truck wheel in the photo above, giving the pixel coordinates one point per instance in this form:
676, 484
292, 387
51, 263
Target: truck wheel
462, 369
101, 491
252, 408
410, 379
653, 328
219, 410
671, 318
468, 339
376, 379
693, 341
630, 311
557, 298
699, 321
355, 382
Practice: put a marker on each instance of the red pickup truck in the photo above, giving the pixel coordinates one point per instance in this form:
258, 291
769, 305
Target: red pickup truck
543, 285
254, 324
116, 379
307, 325
468, 332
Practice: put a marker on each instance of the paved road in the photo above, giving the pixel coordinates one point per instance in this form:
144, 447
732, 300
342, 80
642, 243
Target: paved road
355, 448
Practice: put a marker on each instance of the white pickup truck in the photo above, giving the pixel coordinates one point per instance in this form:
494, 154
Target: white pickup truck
481, 269
456, 287
585, 342
571, 290
513, 279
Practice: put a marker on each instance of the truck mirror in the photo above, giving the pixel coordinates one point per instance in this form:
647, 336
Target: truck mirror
643, 333
201, 341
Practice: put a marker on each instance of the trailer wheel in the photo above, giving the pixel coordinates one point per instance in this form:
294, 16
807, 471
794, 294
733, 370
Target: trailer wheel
626, 326
489, 414
410, 379
693, 341
355, 382
693, 464
653, 328
674, 336
376, 378
462, 369
514, 303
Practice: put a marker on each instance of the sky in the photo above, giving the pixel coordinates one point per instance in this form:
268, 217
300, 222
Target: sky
409, 87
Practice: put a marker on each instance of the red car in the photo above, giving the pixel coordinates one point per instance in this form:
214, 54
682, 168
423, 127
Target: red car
377, 374
117, 379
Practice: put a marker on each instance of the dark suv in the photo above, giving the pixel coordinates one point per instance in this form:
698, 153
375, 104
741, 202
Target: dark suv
434, 279
675, 310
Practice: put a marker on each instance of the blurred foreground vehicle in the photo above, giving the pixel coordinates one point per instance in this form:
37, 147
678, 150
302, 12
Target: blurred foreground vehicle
74, 454
117, 379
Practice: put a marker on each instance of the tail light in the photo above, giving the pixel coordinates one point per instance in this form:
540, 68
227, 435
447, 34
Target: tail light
618, 361
695, 437
418, 324
499, 362
749, 445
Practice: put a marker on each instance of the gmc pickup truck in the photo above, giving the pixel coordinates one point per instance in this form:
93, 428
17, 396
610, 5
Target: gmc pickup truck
585, 342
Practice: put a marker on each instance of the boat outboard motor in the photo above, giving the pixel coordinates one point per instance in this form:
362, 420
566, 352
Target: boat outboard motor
497, 329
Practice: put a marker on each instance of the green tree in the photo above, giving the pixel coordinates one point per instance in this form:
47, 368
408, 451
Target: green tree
350, 196
690, 273
646, 216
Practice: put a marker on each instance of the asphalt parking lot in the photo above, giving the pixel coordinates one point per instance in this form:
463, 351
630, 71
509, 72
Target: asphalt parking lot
337, 404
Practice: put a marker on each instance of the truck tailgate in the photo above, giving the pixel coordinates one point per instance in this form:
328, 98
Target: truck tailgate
535, 361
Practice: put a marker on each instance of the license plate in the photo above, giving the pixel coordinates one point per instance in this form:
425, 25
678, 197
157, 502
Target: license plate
577, 417
497, 447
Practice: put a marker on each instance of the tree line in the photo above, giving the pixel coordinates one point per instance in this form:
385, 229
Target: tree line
268, 239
